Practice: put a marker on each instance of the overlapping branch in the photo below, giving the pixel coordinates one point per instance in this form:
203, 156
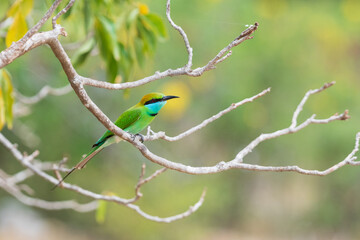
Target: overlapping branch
67, 7
34, 39
19, 48
154, 136
9, 184
143, 181
237, 162
31, 39
16, 192
43, 93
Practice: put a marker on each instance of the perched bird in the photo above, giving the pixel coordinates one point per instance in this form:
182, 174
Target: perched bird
132, 121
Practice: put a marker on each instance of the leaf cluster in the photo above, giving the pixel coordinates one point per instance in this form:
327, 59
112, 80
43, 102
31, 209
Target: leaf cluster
123, 32
6, 99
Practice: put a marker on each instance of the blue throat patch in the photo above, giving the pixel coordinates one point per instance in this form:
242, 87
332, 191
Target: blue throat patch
154, 108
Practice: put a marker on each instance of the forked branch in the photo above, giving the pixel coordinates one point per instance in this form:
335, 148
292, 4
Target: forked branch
34, 38
9, 186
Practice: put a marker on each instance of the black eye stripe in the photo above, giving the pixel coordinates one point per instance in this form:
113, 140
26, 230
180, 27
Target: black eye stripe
154, 100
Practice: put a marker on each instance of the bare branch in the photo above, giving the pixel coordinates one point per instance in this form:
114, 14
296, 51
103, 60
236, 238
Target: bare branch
190, 211
305, 98
77, 83
349, 160
68, 6
44, 92
183, 35
148, 179
143, 181
225, 52
37, 26
233, 106
16, 50
73, 205
221, 56
39, 203
32, 167
237, 162
293, 127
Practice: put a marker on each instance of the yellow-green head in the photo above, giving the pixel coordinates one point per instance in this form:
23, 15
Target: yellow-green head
154, 102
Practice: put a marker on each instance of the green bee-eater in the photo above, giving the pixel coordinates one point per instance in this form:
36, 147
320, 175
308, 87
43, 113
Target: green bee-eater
132, 121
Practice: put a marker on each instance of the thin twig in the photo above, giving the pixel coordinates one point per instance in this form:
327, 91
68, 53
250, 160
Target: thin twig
68, 6
34, 39
143, 181
16, 50
70, 204
48, 205
237, 162
221, 56
183, 35
293, 127
37, 26
204, 123
305, 98
43, 93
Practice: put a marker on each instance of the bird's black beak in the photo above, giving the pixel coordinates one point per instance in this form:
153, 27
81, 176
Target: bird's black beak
168, 98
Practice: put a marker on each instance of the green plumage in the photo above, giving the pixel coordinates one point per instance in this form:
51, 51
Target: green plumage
132, 121
125, 121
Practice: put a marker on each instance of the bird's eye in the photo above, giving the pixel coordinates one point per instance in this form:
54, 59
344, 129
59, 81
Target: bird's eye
154, 100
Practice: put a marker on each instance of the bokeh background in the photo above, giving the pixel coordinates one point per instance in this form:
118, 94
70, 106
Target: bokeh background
299, 45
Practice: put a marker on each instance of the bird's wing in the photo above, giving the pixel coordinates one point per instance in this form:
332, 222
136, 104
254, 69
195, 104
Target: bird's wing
128, 118
124, 121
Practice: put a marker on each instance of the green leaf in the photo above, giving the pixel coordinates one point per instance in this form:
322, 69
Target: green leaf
22, 6
2, 110
87, 15
147, 37
7, 97
106, 34
83, 52
157, 24
17, 29
121, 30
2, 42
4, 5
101, 211
111, 69
48, 3
132, 17
139, 46
68, 13
126, 63
132, 32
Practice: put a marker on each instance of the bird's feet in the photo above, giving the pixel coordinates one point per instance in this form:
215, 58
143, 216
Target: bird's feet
141, 137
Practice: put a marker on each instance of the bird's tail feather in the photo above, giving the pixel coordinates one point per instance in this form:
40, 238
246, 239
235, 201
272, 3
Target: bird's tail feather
81, 164
87, 158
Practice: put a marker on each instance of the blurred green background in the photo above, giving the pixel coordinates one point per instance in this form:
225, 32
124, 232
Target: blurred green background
299, 45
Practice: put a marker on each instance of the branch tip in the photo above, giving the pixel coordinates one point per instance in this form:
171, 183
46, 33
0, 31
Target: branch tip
247, 32
203, 194
345, 115
327, 85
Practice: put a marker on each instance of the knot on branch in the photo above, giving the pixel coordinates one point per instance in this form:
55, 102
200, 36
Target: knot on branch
327, 85
345, 115
62, 31
221, 165
248, 31
161, 134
